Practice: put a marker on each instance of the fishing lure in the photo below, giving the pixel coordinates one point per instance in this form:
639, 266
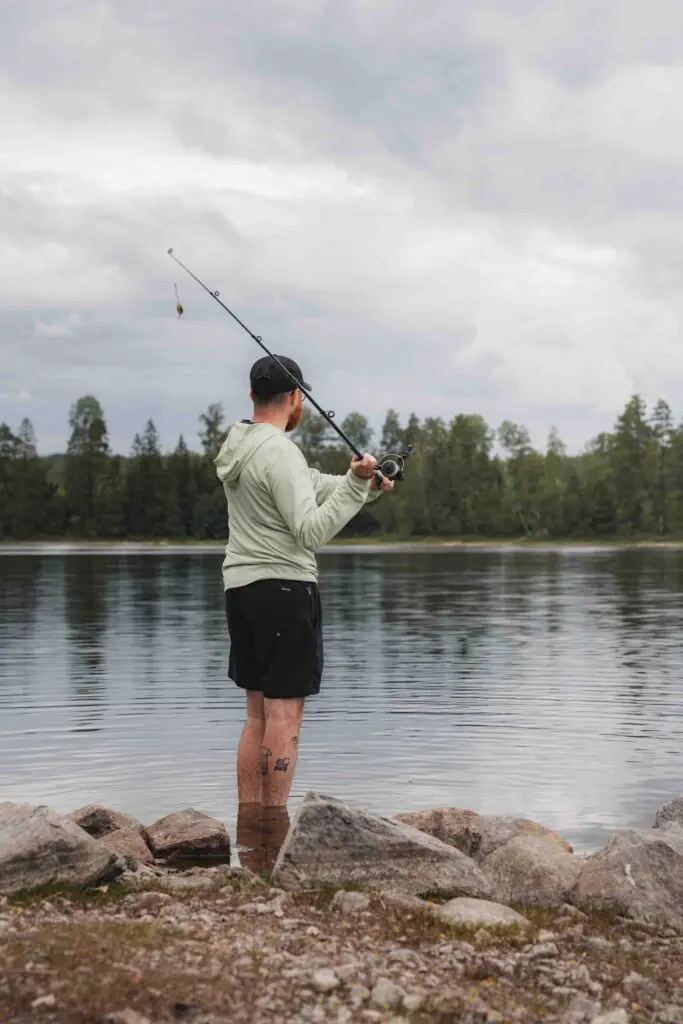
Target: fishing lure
178, 306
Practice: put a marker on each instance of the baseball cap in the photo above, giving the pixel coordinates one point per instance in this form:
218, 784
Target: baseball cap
267, 378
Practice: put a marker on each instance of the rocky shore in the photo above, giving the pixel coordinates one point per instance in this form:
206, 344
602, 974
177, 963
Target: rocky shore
441, 915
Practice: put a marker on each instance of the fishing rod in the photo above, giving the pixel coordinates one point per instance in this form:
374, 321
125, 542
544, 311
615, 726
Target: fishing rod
391, 467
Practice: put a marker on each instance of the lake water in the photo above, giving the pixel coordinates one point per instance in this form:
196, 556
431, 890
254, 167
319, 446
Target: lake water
540, 683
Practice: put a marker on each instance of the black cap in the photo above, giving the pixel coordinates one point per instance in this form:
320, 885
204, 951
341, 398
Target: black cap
267, 378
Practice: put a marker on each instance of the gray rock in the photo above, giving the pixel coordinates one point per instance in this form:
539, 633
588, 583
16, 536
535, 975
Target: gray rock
401, 901
465, 910
39, 847
130, 845
543, 951
99, 821
350, 902
581, 1010
387, 995
44, 1002
189, 836
598, 944
324, 980
126, 1017
638, 874
532, 871
619, 1016
671, 813
331, 842
477, 835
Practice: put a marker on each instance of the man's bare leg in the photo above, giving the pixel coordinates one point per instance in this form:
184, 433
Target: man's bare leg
249, 751
279, 749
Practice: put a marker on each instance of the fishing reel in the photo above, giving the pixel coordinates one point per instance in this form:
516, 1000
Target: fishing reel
393, 465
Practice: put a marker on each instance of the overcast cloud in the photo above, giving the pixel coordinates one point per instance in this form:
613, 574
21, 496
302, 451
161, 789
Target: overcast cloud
441, 207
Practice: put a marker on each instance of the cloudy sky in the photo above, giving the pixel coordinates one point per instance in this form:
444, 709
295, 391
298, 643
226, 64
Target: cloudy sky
441, 207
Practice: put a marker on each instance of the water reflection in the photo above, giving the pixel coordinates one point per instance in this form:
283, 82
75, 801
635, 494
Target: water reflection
538, 683
260, 833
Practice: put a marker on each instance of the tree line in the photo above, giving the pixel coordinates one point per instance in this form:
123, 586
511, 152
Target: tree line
464, 479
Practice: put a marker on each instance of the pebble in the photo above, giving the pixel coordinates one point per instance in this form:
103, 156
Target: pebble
44, 1001
126, 1017
345, 972
546, 936
387, 995
324, 980
569, 910
543, 951
598, 944
580, 1010
350, 902
613, 1017
313, 931
633, 980
358, 994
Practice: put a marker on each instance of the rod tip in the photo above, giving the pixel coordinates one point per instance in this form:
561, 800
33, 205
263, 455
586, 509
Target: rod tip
170, 252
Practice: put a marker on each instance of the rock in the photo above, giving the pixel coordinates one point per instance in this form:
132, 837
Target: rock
477, 835
386, 995
39, 847
330, 842
638, 874
148, 902
613, 1017
598, 944
532, 871
324, 980
480, 912
44, 1002
189, 836
99, 821
671, 813
401, 901
581, 1010
350, 902
126, 1017
130, 845
543, 951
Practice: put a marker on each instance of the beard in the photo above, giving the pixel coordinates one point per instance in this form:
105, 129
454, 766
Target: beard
295, 418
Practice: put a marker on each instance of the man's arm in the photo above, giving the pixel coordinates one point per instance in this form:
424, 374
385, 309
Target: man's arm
325, 484
291, 485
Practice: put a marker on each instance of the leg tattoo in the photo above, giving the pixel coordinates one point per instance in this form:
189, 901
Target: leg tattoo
282, 764
263, 762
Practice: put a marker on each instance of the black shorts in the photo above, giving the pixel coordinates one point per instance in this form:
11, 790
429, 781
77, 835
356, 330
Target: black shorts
276, 640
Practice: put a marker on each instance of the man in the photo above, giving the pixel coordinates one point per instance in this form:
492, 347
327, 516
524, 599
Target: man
280, 512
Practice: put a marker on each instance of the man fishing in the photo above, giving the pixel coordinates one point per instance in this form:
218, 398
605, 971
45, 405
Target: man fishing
280, 512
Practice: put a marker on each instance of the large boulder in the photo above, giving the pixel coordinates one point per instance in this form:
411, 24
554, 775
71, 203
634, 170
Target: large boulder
331, 842
99, 821
40, 847
532, 871
638, 874
189, 836
477, 835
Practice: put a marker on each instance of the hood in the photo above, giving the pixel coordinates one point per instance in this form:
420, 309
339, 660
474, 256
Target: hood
241, 442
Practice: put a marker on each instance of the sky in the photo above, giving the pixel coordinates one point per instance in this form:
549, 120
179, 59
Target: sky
443, 207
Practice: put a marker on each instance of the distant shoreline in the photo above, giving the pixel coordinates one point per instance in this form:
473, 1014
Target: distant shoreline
368, 546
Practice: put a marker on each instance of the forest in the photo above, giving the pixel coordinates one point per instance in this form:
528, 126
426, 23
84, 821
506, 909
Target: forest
465, 480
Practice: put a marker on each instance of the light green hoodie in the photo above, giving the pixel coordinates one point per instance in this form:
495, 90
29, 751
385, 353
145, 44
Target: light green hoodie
280, 510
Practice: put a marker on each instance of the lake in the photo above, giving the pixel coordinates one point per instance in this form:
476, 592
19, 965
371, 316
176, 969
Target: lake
541, 683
